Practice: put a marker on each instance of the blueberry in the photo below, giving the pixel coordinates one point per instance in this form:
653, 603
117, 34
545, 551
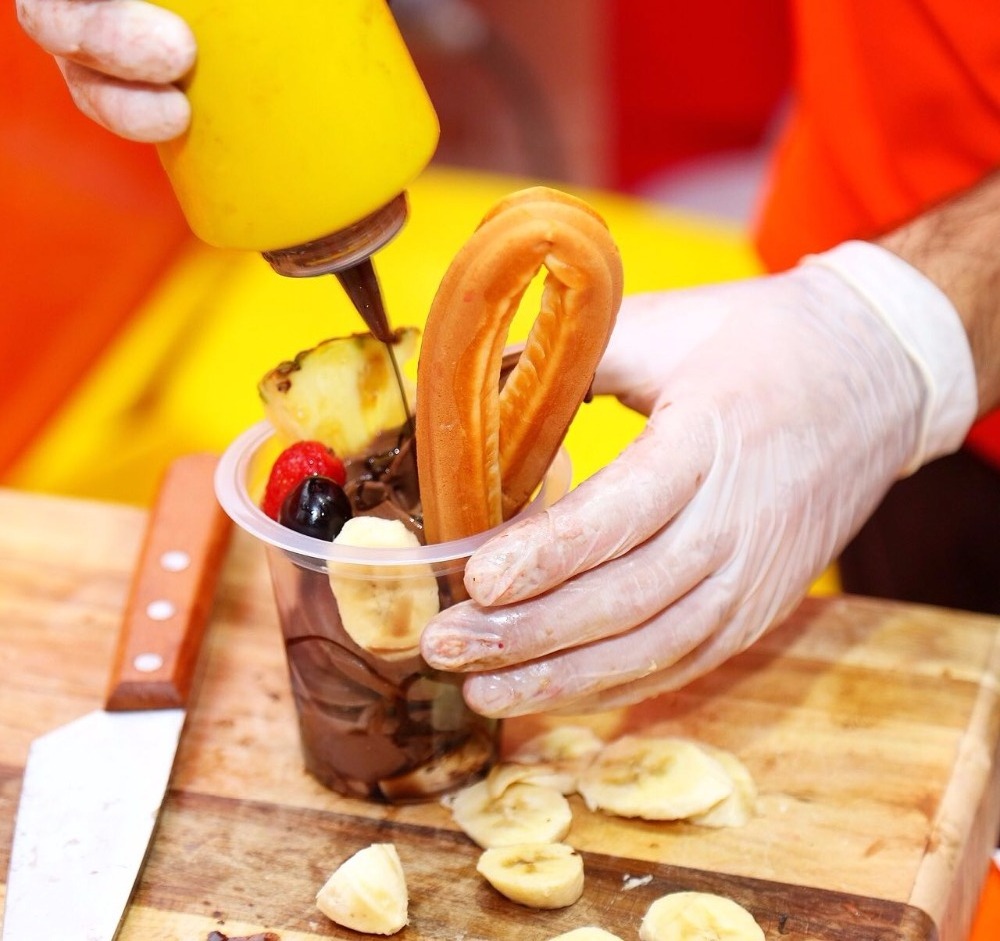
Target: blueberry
316, 507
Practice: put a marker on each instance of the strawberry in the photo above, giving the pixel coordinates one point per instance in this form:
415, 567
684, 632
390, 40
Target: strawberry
298, 461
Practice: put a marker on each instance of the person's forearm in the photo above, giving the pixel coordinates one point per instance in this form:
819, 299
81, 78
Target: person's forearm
957, 246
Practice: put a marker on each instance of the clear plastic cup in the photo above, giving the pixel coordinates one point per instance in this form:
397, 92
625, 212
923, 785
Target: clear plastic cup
382, 726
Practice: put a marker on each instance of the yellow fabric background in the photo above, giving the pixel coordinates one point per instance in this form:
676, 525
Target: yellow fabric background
183, 375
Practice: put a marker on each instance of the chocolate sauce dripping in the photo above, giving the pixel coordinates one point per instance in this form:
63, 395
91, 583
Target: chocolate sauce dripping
360, 282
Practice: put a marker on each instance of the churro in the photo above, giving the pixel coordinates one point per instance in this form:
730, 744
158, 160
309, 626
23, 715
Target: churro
483, 450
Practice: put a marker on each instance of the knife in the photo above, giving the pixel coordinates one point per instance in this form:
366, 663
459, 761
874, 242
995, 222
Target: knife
93, 788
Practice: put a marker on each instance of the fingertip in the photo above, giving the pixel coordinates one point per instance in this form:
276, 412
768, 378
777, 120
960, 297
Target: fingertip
147, 43
487, 695
440, 649
135, 111
484, 579
166, 115
511, 567
129, 39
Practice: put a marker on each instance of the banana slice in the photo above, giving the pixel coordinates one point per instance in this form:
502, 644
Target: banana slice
698, 916
523, 813
556, 757
558, 744
447, 771
502, 776
741, 805
586, 933
539, 875
367, 892
383, 608
654, 778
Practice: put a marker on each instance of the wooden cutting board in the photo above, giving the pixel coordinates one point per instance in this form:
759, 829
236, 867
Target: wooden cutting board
871, 728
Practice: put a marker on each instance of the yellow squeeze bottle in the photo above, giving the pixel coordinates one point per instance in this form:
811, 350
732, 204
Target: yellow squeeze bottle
308, 122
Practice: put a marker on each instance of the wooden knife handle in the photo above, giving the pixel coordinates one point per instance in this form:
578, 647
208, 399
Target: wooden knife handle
172, 590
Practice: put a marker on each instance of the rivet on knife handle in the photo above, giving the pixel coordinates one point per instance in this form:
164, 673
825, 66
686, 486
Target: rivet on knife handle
172, 591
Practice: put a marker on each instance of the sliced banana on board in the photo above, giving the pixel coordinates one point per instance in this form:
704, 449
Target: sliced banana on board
539, 875
503, 775
654, 778
561, 743
367, 892
741, 805
384, 608
553, 758
698, 916
452, 769
522, 813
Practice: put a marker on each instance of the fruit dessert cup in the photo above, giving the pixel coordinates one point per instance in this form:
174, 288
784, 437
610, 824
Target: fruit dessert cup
375, 721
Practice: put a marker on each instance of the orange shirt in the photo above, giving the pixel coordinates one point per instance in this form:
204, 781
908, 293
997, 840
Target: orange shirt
89, 225
896, 107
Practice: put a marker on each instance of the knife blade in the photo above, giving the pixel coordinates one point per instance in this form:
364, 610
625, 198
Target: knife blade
92, 789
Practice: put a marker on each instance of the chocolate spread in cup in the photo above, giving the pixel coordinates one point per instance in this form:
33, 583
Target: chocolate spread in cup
372, 727
385, 483
388, 729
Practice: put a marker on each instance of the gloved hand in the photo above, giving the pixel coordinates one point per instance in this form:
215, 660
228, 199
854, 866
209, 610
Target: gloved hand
119, 58
781, 410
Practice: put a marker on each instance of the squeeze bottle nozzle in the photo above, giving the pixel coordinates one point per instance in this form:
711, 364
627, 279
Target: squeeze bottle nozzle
308, 123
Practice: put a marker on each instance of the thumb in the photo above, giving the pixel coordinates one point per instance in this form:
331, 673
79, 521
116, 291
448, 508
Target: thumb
654, 333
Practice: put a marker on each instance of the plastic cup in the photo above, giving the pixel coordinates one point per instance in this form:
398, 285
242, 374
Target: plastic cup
372, 725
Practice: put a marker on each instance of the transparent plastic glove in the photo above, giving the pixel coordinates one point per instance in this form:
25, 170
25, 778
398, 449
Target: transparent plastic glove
119, 59
781, 410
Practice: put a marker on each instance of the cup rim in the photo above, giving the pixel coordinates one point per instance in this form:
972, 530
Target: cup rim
231, 473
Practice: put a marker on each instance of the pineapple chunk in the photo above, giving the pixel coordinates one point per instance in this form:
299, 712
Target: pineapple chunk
342, 392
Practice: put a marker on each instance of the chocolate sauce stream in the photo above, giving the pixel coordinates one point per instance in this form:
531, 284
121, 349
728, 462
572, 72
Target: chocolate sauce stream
360, 283
406, 431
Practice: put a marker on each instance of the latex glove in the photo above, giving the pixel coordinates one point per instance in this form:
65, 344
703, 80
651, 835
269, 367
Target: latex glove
119, 59
782, 409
